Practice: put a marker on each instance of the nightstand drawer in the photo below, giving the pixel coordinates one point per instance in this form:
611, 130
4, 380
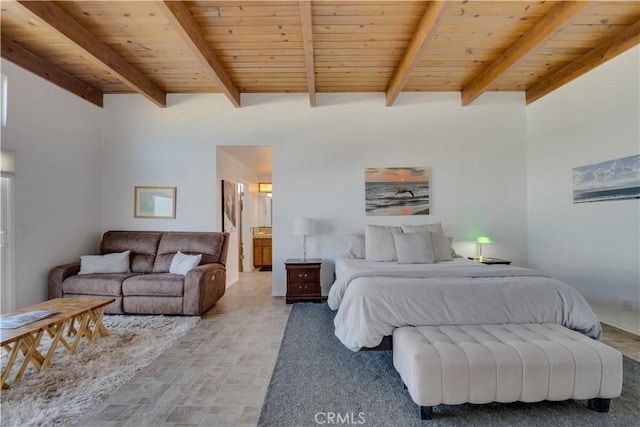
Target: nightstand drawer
303, 275
303, 288
303, 280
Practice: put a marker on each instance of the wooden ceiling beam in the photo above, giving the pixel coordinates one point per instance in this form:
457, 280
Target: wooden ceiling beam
307, 40
619, 43
38, 66
66, 26
559, 16
426, 30
188, 29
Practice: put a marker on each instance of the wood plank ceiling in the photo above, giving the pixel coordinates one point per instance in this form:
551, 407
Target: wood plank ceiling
153, 48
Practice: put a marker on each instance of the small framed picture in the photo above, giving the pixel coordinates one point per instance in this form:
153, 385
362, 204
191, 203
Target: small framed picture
154, 202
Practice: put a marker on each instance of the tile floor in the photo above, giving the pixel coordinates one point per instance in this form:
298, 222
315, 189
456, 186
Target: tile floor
218, 374
626, 343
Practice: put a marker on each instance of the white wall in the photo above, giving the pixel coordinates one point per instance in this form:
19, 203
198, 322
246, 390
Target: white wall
592, 246
57, 184
146, 145
477, 155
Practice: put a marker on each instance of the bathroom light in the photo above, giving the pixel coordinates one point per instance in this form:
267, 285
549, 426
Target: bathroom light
265, 187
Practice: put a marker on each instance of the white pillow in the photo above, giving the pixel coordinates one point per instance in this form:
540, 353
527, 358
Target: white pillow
414, 248
182, 263
442, 250
117, 262
355, 246
434, 228
379, 244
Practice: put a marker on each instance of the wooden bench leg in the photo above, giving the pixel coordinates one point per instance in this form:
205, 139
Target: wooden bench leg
426, 412
599, 405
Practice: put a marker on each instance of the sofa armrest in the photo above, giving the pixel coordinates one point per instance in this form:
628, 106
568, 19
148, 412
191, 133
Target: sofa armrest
57, 276
203, 286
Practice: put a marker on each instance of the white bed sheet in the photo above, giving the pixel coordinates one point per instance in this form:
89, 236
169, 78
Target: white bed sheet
373, 298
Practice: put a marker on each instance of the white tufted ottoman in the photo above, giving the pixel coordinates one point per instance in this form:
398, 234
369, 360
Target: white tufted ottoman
504, 363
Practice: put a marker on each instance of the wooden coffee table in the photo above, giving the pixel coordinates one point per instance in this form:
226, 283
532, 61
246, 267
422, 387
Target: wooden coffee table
76, 318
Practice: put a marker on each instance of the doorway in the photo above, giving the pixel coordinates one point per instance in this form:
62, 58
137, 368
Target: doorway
247, 166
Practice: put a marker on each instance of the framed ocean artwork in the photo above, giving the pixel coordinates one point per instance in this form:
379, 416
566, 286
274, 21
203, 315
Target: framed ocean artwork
397, 191
617, 179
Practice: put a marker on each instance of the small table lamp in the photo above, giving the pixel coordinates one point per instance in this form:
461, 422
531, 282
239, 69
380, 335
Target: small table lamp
304, 226
481, 241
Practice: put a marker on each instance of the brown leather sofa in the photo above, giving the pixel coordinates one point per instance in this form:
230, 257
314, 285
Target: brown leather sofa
149, 288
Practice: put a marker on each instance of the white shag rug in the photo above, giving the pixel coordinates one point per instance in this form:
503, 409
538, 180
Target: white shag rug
74, 384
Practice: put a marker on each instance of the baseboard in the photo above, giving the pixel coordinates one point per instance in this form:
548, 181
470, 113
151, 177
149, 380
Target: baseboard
617, 325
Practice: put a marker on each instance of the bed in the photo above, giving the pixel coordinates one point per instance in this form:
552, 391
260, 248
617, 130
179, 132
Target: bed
373, 298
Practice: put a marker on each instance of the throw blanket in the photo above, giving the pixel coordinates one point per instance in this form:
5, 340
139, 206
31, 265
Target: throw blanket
372, 303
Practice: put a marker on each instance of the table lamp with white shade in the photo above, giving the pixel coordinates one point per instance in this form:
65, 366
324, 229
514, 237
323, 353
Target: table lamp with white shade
304, 226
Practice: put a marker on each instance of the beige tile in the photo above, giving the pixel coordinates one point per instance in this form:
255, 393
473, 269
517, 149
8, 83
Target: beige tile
627, 343
216, 375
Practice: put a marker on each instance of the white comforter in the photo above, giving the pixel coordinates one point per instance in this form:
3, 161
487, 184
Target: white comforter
374, 298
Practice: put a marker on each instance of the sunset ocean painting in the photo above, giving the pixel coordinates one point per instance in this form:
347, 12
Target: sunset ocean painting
617, 179
397, 191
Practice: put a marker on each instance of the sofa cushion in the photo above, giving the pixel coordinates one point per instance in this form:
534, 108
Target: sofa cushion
152, 305
210, 245
142, 244
95, 284
162, 284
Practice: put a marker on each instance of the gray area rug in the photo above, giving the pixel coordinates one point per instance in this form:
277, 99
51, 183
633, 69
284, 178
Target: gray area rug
74, 384
315, 375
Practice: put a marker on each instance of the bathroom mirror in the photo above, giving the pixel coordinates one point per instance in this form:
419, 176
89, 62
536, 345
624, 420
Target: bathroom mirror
264, 210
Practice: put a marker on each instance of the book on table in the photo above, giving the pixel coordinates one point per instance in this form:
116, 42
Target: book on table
18, 320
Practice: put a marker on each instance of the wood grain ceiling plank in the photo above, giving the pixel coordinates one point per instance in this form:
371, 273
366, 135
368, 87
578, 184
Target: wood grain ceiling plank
621, 42
306, 18
558, 17
255, 30
364, 29
63, 24
33, 63
363, 46
371, 20
425, 31
188, 29
370, 8
236, 22
240, 9
249, 38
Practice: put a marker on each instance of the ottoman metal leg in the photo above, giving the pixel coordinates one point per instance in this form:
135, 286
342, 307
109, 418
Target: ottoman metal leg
599, 405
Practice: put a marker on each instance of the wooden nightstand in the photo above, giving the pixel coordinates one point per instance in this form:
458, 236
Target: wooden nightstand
491, 261
303, 280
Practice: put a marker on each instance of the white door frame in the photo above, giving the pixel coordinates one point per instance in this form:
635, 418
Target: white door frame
7, 247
